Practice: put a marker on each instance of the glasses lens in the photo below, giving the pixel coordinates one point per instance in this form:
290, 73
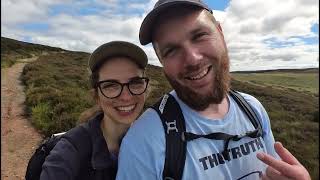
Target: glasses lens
138, 86
110, 89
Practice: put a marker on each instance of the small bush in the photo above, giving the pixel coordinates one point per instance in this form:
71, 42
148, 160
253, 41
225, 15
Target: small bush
42, 116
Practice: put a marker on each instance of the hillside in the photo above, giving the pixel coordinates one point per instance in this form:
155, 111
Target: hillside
57, 92
11, 50
302, 80
305, 70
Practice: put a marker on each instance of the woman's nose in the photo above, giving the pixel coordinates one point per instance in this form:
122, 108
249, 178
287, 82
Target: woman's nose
125, 94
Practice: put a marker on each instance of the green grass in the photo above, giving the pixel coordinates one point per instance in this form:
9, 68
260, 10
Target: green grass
57, 92
7, 60
303, 82
42, 115
294, 119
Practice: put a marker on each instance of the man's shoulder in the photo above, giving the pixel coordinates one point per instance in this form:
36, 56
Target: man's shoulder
148, 117
144, 139
252, 100
147, 126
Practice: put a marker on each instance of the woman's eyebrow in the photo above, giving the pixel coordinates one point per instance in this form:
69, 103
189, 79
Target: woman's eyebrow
136, 77
111, 80
116, 80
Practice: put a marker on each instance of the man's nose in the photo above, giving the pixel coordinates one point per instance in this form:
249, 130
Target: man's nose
192, 55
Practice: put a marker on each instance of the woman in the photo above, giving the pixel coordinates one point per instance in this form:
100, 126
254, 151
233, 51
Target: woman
117, 77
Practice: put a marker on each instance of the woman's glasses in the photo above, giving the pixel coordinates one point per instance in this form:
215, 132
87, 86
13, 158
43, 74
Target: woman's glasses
112, 89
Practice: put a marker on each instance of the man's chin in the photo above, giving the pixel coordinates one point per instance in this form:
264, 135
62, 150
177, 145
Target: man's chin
198, 98
194, 100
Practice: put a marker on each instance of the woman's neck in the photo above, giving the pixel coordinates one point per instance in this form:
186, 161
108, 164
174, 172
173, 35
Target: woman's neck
113, 133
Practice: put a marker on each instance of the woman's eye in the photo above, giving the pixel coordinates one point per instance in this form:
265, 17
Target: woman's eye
138, 81
109, 85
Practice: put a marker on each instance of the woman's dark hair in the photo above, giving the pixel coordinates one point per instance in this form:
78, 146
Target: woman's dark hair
94, 79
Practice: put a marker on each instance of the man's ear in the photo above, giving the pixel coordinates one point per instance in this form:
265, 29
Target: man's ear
218, 25
157, 52
161, 62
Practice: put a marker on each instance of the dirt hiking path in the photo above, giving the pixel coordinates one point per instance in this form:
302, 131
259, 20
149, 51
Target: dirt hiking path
18, 137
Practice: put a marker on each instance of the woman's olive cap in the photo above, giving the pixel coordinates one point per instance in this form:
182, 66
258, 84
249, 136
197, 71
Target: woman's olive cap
117, 48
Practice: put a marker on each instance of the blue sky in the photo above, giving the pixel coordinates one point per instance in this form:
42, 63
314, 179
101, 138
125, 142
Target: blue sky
217, 4
259, 34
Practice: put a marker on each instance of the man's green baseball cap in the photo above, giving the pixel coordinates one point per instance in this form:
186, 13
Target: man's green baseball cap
160, 8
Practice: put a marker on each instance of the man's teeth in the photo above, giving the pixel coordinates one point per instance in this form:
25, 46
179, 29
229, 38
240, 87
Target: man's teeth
200, 75
126, 108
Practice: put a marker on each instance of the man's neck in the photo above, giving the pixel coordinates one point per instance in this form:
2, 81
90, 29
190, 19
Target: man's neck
216, 111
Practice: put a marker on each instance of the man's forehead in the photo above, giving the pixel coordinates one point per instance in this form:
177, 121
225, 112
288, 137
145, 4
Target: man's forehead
172, 34
193, 20
176, 12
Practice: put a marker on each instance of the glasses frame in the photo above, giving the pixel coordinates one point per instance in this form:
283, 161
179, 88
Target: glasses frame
122, 85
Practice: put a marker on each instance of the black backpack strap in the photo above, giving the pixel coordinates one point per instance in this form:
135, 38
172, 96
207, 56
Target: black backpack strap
34, 167
174, 127
245, 106
78, 136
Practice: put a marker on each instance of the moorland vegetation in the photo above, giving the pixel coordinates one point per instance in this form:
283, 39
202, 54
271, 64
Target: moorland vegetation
57, 91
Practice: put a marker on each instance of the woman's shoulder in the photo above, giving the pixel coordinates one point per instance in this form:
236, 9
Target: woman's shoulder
64, 160
71, 142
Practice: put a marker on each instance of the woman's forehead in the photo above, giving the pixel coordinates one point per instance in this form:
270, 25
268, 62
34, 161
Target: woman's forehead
120, 68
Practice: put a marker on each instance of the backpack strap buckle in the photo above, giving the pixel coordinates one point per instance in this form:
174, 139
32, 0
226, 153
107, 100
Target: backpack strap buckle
171, 126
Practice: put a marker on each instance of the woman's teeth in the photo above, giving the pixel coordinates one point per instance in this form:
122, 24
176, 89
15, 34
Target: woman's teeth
126, 108
200, 75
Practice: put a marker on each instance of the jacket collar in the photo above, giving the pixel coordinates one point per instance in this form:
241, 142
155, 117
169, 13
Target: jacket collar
101, 158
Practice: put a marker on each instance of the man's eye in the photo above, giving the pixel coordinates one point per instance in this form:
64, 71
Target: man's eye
168, 52
200, 35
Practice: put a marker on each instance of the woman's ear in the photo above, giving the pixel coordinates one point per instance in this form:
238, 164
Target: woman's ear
95, 95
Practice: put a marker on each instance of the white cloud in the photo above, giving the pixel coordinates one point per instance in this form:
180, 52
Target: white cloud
19, 11
260, 34
87, 32
249, 24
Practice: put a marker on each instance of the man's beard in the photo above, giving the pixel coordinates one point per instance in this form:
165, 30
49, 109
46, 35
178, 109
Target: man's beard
220, 88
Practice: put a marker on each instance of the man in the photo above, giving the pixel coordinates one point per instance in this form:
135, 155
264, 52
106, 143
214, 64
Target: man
191, 48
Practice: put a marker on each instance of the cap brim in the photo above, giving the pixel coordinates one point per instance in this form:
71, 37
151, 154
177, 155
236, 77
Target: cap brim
118, 48
145, 33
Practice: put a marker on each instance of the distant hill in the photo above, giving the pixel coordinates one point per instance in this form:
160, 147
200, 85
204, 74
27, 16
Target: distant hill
10, 46
304, 70
11, 50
